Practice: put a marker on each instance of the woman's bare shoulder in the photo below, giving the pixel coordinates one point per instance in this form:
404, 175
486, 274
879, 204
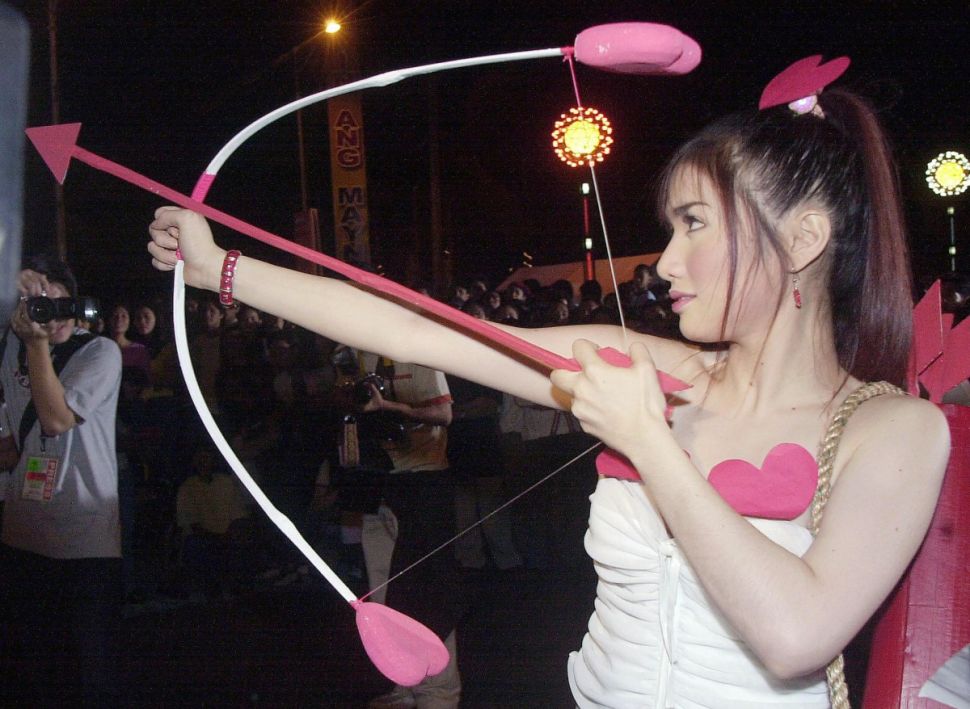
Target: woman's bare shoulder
901, 413
905, 431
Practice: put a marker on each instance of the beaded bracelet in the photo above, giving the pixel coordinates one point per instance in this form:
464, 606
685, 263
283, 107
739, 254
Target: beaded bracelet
228, 273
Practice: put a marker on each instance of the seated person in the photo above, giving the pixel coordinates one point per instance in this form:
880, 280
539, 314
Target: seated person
214, 522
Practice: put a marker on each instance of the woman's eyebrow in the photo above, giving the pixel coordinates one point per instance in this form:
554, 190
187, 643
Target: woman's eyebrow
681, 209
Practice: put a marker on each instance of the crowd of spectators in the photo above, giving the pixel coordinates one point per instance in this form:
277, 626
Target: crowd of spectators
279, 394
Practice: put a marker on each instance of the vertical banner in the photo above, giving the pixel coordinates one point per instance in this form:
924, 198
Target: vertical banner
349, 176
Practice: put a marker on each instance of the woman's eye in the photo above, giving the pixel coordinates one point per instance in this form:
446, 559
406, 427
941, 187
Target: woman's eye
692, 222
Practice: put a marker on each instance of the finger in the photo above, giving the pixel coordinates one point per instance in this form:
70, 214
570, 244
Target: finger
162, 259
161, 266
584, 352
643, 362
639, 353
166, 211
564, 380
165, 236
167, 220
641, 359
31, 283
37, 285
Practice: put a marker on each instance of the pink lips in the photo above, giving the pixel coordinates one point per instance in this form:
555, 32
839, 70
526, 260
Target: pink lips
679, 300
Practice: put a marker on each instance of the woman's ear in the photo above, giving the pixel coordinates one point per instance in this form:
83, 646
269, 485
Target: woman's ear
808, 235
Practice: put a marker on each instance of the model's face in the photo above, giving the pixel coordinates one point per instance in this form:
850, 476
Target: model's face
697, 264
144, 321
58, 331
120, 320
696, 260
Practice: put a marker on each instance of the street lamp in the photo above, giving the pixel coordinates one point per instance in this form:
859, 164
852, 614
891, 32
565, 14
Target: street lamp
948, 175
582, 137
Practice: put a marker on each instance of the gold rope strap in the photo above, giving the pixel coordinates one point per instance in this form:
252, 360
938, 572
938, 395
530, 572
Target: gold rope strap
829, 447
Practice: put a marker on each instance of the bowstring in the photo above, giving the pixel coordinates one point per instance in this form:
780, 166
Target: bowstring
599, 209
609, 256
487, 517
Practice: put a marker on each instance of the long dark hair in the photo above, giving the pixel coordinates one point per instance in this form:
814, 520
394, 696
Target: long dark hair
764, 164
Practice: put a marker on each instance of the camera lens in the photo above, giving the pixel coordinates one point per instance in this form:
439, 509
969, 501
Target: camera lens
40, 309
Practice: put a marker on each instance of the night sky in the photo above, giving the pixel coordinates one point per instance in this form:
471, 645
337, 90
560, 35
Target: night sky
160, 86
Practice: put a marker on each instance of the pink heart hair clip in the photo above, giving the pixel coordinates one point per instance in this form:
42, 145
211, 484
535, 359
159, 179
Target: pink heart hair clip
800, 84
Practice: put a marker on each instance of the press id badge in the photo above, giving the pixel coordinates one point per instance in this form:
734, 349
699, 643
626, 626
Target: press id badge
40, 477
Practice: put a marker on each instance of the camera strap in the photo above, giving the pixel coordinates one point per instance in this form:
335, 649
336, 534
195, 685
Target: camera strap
60, 354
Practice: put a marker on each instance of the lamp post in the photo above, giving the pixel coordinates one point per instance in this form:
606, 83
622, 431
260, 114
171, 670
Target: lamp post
587, 239
582, 137
948, 175
330, 27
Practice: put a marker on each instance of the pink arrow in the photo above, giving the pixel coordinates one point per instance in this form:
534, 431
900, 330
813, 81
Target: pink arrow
57, 144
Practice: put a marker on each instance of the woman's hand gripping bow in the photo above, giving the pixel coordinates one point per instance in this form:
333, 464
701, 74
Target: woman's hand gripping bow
624, 407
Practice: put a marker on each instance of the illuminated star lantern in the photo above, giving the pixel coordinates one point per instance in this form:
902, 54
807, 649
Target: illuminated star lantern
582, 137
948, 174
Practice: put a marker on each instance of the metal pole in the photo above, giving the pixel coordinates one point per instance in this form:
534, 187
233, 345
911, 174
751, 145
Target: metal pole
953, 239
587, 240
301, 152
60, 211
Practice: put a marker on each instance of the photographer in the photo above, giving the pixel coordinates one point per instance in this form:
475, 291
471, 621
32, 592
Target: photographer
417, 515
61, 536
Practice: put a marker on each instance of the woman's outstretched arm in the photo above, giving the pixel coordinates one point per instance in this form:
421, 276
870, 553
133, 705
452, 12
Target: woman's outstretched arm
356, 317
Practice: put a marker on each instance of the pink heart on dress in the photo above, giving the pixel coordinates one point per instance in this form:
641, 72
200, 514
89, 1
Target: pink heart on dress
405, 651
611, 464
782, 488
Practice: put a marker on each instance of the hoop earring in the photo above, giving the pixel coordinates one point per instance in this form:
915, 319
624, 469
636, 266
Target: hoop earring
796, 294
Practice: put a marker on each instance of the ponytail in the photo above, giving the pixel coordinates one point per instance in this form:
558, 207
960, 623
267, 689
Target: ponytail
874, 333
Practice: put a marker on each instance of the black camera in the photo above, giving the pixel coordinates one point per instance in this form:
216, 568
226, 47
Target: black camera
362, 387
42, 309
383, 426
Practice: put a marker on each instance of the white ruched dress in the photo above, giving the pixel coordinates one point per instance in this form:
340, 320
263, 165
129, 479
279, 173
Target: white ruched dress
655, 638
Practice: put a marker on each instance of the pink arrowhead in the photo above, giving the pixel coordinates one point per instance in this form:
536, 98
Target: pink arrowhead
56, 144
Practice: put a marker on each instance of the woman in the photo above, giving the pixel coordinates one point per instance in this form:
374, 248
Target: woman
787, 255
147, 331
133, 354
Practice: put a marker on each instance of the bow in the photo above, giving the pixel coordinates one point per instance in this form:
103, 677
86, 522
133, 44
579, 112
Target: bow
629, 47
400, 647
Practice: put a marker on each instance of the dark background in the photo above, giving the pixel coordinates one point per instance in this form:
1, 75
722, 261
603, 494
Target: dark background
160, 86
